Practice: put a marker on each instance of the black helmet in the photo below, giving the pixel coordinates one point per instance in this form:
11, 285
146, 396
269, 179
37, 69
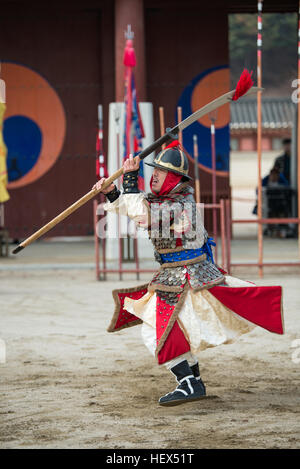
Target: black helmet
172, 158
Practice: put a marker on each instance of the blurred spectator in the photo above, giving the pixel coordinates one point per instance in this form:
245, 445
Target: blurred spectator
275, 178
284, 161
276, 202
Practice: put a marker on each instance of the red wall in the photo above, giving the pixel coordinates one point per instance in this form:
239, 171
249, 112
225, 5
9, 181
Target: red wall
68, 48
181, 41
72, 46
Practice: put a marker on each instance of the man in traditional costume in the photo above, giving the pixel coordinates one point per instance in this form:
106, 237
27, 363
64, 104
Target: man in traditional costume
191, 303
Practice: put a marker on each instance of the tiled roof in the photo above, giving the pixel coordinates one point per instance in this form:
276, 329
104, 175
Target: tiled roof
277, 113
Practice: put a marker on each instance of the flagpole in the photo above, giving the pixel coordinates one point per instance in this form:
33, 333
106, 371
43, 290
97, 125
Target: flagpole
259, 138
95, 201
179, 119
101, 171
130, 62
213, 117
120, 241
196, 169
162, 123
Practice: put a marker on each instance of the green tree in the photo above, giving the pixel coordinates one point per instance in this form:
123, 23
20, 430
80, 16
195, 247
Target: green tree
279, 49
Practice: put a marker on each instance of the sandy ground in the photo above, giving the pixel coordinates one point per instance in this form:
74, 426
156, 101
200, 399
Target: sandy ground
67, 383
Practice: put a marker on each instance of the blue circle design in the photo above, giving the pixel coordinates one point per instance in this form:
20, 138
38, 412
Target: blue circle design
202, 132
23, 139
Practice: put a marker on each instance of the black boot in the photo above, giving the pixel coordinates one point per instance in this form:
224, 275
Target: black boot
189, 388
196, 373
195, 370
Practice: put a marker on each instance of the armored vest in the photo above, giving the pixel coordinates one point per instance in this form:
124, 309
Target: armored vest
177, 230
176, 222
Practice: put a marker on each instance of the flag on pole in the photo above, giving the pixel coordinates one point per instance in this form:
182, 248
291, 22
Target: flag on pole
133, 125
101, 168
4, 196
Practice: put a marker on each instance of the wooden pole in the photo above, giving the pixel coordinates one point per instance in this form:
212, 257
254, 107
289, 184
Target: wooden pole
228, 234
222, 223
120, 240
104, 250
100, 172
196, 169
259, 139
162, 123
136, 255
214, 179
72, 208
95, 205
179, 119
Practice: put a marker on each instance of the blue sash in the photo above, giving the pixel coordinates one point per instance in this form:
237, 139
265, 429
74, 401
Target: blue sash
189, 254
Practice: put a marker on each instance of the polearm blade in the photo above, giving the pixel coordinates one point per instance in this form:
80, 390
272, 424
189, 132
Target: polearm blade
171, 134
166, 138
224, 99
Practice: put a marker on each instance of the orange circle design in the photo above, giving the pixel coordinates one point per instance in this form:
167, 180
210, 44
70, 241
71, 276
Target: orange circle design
30, 95
209, 88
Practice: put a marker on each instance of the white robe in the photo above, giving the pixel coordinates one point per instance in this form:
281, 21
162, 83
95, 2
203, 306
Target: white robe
204, 320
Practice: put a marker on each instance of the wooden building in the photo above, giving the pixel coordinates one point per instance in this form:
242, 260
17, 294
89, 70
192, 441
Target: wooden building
279, 116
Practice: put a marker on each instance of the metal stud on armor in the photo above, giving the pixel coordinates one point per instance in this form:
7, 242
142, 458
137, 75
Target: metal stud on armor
200, 274
179, 207
170, 277
203, 273
130, 182
171, 298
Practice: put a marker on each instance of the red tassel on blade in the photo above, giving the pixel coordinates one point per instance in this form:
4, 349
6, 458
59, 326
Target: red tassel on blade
244, 84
